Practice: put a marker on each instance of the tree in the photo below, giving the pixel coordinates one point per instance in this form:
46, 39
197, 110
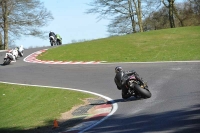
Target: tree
157, 20
121, 25
188, 13
126, 14
185, 14
1, 42
22, 17
138, 8
171, 9
195, 5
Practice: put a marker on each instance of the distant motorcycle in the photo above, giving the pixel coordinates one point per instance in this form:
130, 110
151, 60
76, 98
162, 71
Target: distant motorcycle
10, 56
133, 85
20, 51
52, 40
59, 41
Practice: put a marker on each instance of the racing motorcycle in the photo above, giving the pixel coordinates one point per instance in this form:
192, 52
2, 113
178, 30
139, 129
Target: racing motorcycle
134, 86
20, 51
59, 41
10, 56
52, 40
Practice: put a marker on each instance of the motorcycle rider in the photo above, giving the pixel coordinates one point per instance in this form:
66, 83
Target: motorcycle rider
20, 50
51, 33
13, 53
59, 38
126, 74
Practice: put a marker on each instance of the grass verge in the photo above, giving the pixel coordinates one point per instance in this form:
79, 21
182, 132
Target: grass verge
26, 107
175, 44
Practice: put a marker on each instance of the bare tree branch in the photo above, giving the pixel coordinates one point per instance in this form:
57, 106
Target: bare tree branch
23, 17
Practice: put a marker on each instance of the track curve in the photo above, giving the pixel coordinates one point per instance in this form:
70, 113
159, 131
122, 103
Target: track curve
173, 107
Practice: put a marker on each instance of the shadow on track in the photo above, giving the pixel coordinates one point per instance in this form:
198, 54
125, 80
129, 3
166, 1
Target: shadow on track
179, 121
125, 100
186, 120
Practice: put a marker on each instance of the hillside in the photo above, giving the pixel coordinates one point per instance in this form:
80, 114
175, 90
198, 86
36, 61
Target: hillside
177, 44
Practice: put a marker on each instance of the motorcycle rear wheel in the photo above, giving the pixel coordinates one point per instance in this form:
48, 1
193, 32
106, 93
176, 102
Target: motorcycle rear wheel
145, 93
51, 42
125, 94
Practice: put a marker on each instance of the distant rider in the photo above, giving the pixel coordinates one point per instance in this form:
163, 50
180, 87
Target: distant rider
20, 51
59, 38
51, 33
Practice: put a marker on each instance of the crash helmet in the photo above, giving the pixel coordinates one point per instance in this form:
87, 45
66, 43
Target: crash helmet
118, 69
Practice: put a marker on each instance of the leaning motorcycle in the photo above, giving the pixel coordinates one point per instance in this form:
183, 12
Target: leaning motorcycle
20, 51
133, 85
52, 40
9, 57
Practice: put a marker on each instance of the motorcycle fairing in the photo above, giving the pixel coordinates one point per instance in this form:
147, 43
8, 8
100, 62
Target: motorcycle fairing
9, 55
51, 37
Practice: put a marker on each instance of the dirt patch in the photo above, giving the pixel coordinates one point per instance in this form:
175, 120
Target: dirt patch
68, 115
66, 120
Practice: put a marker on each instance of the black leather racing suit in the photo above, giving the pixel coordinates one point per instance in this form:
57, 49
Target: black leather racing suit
121, 86
52, 34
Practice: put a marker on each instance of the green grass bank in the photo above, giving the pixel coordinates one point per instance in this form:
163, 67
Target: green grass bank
28, 107
176, 44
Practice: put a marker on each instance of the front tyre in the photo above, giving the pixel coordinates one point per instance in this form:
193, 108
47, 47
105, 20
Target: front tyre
6, 61
145, 93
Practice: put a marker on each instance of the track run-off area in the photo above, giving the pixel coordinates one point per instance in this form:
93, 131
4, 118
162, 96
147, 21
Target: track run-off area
175, 87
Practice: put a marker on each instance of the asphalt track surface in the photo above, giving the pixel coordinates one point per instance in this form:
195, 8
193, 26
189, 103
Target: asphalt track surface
175, 87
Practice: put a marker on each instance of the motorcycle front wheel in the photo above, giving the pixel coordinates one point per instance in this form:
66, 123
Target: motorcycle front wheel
145, 93
6, 61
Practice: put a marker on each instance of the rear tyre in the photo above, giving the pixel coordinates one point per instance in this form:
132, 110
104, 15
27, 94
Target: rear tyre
51, 42
55, 43
145, 93
58, 42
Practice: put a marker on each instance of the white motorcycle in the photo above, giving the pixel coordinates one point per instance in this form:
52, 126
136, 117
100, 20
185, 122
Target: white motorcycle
20, 51
11, 56
52, 40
